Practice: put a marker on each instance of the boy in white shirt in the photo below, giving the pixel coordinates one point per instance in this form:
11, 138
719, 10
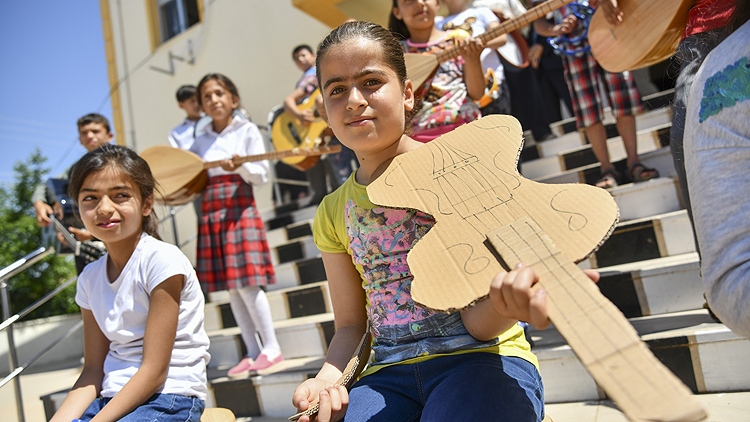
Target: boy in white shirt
183, 135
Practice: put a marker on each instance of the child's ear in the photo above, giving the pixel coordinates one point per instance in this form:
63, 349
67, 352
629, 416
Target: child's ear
235, 102
148, 205
409, 96
397, 14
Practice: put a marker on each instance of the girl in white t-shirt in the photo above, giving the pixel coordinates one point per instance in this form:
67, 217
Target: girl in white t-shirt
145, 348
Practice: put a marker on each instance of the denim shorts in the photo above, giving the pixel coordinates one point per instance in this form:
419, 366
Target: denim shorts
473, 386
159, 407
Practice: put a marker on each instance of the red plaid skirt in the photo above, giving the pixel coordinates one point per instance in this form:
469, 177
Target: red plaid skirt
232, 248
583, 75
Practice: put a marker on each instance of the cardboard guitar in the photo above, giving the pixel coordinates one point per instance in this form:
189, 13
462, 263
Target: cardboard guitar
487, 217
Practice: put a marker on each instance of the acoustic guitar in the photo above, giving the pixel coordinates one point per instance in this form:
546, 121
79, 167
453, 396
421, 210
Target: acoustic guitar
288, 133
421, 67
649, 33
182, 175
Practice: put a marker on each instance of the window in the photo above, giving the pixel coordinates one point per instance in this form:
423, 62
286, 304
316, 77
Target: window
176, 16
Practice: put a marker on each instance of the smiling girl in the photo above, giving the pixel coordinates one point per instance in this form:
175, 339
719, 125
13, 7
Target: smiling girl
145, 348
470, 365
233, 253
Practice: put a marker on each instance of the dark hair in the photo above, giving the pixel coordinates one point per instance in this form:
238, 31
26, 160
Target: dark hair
741, 14
396, 25
390, 49
124, 160
301, 47
186, 92
94, 118
222, 80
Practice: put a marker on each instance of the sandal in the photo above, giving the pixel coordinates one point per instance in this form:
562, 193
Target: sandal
640, 173
608, 179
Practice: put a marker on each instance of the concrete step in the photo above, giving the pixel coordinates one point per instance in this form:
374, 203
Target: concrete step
282, 235
268, 394
295, 302
276, 221
660, 159
648, 140
655, 287
641, 239
653, 119
299, 272
653, 197
293, 250
298, 337
721, 407
704, 354
651, 102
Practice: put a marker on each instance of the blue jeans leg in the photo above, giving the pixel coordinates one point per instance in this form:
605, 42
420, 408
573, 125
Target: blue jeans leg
158, 408
471, 386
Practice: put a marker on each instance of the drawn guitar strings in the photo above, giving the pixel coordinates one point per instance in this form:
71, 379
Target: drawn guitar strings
564, 284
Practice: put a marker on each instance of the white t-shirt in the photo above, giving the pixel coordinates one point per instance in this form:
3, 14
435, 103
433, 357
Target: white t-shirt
183, 135
240, 137
120, 309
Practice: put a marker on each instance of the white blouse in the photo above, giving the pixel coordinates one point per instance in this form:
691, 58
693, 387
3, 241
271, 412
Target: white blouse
240, 137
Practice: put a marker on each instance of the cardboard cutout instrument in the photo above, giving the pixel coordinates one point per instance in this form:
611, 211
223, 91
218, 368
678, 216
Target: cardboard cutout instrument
485, 213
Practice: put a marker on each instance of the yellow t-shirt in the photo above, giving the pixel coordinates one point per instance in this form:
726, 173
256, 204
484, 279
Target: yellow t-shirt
378, 239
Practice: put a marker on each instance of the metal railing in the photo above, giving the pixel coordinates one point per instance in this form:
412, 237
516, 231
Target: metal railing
8, 320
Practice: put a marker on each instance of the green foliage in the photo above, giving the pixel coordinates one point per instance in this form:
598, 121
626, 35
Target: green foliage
21, 236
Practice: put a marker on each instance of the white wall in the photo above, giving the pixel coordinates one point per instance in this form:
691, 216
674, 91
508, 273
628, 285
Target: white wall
250, 41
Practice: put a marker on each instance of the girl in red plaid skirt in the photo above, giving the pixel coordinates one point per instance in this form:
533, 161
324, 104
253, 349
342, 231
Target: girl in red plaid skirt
233, 253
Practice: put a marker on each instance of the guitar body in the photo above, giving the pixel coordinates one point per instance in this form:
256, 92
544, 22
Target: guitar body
288, 133
515, 51
180, 173
649, 33
420, 67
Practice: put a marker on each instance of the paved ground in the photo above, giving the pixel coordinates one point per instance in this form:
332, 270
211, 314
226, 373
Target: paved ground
724, 407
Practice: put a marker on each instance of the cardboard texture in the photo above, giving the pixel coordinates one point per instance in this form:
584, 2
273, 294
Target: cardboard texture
599, 334
468, 181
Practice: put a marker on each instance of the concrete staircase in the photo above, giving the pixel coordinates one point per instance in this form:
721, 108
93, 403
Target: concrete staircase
649, 267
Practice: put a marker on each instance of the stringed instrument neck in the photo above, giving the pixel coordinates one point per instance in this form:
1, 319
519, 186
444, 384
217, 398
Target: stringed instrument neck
276, 155
508, 26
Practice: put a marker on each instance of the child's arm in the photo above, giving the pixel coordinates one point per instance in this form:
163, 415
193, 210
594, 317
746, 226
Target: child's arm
290, 105
158, 341
496, 42
511, 299
348, 299
547, 29
89, 383
471, 49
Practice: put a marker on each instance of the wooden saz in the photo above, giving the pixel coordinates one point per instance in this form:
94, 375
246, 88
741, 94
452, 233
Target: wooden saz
182, 175
649, 33
488, 218
516, 50
288, 133
420, 67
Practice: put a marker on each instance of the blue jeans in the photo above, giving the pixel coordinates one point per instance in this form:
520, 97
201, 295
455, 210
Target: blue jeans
159, 407
474, 386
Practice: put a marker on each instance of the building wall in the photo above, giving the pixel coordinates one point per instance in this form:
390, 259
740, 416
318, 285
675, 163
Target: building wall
250, 41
